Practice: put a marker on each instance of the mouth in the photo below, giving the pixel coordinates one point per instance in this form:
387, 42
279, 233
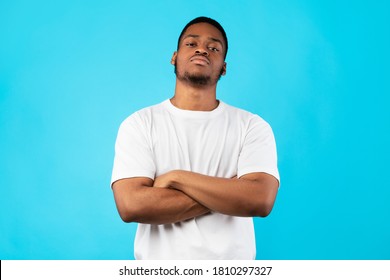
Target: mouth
201, 60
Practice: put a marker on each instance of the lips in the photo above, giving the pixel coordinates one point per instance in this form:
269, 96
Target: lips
198, 59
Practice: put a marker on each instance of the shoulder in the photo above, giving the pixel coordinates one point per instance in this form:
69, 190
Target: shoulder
145, 115
245, 117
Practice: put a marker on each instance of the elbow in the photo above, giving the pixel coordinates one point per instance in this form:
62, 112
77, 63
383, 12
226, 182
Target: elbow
264, 211
261, 209
129, 198
127, 217
264, 204
129, 214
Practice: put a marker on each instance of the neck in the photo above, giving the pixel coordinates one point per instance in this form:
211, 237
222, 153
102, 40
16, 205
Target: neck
195, 98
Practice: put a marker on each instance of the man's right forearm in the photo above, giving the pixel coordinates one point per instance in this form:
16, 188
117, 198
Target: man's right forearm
166, 207
145, 204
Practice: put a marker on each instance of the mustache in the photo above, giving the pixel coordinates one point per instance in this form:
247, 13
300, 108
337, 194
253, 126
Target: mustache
200, 55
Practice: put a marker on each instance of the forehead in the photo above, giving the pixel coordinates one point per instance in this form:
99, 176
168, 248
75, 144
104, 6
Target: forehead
204, 29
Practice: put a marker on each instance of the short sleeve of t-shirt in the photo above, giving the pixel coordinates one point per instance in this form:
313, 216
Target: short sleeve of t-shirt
133, 154
258, 153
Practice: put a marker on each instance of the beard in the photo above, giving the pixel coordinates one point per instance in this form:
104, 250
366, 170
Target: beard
196, 79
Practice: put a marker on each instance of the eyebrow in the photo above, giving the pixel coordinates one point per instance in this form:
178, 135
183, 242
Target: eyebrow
197, 36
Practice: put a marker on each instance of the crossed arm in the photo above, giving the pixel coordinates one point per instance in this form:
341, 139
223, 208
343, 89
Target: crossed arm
180, 195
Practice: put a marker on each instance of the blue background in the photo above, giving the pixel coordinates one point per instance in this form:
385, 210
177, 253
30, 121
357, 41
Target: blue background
71, 71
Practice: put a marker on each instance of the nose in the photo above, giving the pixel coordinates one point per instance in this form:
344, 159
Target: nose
202, 51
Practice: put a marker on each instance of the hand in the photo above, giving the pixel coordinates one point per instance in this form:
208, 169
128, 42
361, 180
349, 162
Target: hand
164, 180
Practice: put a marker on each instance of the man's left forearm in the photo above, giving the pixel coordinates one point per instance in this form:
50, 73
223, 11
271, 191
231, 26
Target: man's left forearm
251, 195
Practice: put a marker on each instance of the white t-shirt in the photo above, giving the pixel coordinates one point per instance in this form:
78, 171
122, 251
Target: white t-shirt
224, 142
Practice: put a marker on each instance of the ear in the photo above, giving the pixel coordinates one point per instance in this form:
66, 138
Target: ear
173, 59
223, 70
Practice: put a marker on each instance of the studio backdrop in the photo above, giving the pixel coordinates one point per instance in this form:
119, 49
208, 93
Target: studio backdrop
72, 71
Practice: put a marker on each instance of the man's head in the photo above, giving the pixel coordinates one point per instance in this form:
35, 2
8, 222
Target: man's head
209, 21
201, 51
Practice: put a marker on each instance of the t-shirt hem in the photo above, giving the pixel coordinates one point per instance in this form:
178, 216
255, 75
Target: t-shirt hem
125, 175
271, 172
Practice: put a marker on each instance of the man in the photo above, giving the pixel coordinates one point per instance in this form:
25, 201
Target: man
193, 171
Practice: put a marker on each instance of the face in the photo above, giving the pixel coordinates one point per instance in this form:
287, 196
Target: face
200, 57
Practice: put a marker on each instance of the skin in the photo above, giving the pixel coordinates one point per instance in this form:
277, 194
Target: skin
180, 195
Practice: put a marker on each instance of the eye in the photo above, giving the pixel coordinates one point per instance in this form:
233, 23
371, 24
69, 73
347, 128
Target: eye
213, 49
190, 44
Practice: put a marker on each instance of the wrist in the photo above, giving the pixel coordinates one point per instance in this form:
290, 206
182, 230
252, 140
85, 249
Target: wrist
176, 179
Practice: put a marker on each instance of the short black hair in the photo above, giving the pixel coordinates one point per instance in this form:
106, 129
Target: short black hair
209, 21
